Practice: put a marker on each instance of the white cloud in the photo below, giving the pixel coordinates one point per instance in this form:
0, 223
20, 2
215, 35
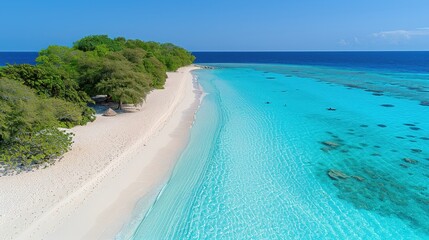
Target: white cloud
402, 34
343, 42
349, 42
356, 40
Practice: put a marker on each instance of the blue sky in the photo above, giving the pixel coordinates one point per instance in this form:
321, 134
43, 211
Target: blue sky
232, 25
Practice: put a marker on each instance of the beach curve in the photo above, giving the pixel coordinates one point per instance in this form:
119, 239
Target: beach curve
113, 163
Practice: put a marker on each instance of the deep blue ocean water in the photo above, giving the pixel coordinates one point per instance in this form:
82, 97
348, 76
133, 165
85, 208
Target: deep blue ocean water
17, 58
397, 61
268, 160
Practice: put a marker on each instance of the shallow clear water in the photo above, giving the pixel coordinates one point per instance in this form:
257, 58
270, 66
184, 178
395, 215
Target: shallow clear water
267, 160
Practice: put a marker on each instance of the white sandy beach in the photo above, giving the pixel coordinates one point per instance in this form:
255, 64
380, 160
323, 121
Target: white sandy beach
114, 162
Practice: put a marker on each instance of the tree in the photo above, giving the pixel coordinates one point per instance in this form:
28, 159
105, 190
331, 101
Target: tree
91, 42
36, 100
28, 128
121, 82
52, 85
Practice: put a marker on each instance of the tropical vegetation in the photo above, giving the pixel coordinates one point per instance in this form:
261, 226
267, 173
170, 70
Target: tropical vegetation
37, 102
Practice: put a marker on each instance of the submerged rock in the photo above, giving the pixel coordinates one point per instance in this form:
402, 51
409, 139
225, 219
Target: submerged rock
337, 174
331, 144
409, 160
371, 90
424, 103
359, 178
326, 149
403, 165
416, 150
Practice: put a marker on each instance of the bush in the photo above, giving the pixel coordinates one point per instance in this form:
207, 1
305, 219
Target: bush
28, 126
29, 149
36, 100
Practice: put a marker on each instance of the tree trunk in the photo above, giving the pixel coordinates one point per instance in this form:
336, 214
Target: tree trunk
120, 105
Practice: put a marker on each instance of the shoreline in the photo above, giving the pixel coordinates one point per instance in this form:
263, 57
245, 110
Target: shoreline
114, 163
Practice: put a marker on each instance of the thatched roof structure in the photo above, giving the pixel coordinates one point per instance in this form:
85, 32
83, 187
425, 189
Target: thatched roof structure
109, 113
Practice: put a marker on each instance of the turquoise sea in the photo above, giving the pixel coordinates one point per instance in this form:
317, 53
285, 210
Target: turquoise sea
268, 160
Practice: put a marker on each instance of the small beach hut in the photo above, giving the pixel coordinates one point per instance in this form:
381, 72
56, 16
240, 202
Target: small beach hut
109, 113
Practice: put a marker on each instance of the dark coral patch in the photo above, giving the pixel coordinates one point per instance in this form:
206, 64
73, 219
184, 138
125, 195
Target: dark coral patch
410, 160
409, 124
415, 128
415, 88
424, 103
381, 125
373, 190
363, 125
374, 91
387, 105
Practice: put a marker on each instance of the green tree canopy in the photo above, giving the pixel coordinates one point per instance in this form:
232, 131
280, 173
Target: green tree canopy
36, 100
90, 43
28, 127
119, 80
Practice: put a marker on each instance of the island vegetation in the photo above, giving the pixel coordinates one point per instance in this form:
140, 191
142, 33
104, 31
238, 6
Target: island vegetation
38, 101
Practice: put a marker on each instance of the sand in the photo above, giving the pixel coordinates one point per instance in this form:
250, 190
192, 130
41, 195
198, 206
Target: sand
115, 162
